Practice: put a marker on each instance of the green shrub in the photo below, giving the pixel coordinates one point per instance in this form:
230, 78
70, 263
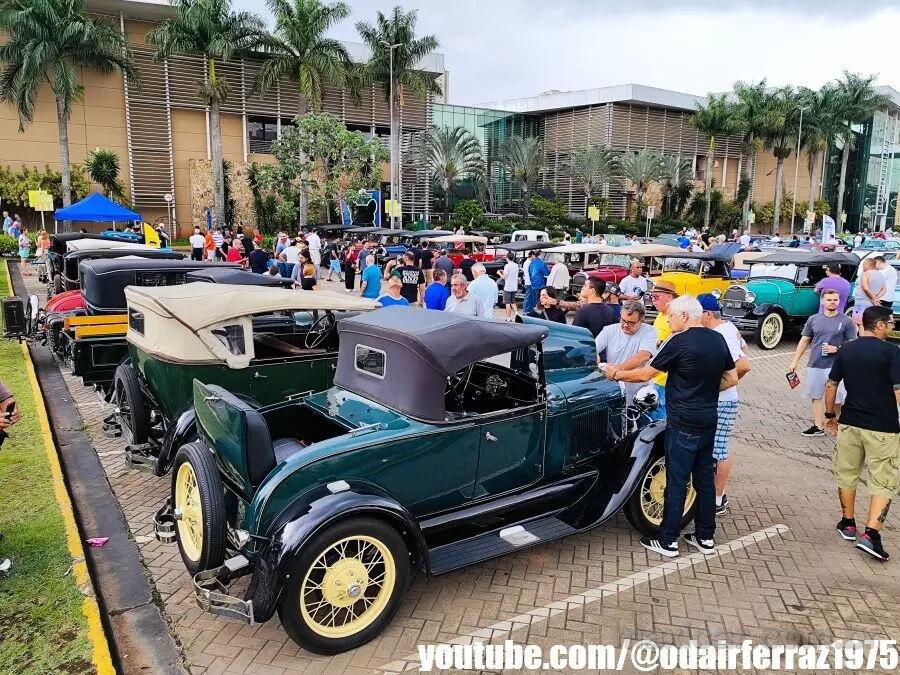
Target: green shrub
468, 214
8, 245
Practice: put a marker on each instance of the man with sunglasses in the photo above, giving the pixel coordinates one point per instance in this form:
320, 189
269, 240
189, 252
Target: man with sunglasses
628, 344
869, 430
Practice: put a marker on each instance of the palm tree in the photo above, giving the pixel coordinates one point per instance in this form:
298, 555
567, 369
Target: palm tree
49, 41
103, 168
211, 29
752, 110
780, 136
716, 118
299, 50
856, 102
592, 167
524, 159
396, 35
453, 154
641, 168
820, 127
678, 175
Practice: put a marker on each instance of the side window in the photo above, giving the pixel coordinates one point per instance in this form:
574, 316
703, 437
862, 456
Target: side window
233, 338
370, 361
136, 321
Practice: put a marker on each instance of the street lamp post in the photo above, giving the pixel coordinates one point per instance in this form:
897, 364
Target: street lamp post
797, 171
394, 157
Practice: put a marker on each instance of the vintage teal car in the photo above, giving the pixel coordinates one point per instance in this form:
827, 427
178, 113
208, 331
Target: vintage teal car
780, 292
446, 441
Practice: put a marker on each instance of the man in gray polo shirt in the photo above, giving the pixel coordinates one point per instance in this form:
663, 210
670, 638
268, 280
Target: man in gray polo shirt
460, 300
628, 344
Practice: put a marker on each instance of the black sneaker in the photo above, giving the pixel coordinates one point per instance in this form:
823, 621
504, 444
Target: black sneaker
705, 546
846, 527
722, 509
655, 545
870, 542
813, 431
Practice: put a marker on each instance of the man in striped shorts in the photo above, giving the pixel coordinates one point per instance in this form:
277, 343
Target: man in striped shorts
728, 399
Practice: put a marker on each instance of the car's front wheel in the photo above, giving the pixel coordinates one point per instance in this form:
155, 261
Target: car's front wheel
644, 509
344, 586
198, 501
770, 330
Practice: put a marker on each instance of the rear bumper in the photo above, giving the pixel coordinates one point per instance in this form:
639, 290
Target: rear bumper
211, 590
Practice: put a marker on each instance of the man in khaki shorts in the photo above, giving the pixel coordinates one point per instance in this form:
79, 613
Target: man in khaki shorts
869, 430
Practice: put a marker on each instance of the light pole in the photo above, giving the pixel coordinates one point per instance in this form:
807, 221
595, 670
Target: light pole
394, 158
797, 171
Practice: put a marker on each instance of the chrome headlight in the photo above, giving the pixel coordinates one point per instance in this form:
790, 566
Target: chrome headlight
750, 296
716, 293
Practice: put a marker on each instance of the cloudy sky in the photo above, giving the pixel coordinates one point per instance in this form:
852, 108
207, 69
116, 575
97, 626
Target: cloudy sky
497, 49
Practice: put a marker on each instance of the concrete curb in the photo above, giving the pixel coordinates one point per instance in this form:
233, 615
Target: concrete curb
138, 632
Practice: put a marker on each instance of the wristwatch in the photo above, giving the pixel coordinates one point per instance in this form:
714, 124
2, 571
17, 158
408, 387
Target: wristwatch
830, 415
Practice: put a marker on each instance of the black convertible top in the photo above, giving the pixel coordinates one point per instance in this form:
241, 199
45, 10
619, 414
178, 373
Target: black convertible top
233, 274
529, 245
801, 257
421, 349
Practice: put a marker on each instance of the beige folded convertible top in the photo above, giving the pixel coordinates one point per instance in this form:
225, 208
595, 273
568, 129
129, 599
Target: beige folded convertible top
200, 304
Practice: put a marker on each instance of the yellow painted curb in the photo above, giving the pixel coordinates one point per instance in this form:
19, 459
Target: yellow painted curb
100, 654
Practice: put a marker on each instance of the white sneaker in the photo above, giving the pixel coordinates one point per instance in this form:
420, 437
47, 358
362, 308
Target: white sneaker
705, 546
655, 545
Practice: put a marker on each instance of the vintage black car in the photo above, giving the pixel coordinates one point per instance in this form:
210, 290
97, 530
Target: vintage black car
446, 440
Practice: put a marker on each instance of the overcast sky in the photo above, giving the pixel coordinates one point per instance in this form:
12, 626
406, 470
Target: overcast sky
498, 49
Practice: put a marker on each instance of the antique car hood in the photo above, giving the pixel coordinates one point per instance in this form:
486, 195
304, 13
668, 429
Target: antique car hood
684, 282
770, 290
574, 389
566, 346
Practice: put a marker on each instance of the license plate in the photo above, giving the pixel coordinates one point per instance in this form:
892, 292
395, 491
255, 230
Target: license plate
733, 303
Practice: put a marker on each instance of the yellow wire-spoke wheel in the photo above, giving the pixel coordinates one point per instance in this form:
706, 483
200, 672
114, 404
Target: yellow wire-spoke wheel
653, 490
187, 503
348, 586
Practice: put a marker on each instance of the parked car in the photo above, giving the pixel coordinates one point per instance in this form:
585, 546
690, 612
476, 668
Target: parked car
780, 292
269, 344
872, 244
612, 263
695, 273
445, 441
459, 244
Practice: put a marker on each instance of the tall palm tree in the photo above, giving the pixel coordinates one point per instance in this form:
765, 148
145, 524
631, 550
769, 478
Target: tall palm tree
524, 159
49, 41
752, 110
780, 136
715, 119
856, 102
211, 29
641, 168
591, 167
453, 154
103, 168
396, 34
820, 127
678, 177
299, 50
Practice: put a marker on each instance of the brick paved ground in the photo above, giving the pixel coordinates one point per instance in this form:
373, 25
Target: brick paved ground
804, 585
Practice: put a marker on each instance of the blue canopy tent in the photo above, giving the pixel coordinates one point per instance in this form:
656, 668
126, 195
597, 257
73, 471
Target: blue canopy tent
96, 208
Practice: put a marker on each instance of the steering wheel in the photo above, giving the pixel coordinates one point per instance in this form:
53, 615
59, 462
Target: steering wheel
319, 331
458, 383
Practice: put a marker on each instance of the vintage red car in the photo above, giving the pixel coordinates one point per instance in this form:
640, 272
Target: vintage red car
460, 244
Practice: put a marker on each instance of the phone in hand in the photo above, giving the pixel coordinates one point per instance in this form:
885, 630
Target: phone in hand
10, 409
793, 380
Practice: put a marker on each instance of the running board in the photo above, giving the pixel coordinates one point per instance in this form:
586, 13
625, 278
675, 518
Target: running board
499, 542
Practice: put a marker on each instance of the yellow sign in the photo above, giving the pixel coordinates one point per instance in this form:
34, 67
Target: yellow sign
40, 200
151, 236
393, 208
594, 213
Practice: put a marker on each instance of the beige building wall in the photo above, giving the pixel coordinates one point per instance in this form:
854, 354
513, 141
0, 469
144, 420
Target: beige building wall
764, 180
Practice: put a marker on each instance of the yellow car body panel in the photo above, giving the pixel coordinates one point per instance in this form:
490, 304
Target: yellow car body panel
688, 283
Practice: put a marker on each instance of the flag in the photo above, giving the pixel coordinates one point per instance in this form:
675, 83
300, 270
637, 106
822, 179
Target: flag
151, 237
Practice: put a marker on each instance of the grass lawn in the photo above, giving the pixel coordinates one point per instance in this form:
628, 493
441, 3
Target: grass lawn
43, 628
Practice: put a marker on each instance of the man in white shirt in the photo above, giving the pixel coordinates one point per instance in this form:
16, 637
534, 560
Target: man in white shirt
197, 242
745, 240
510, 276
315, 250
628, 344
728, 399
290, 256
889, 273
460, 300
484, 288
559, 278
635, 284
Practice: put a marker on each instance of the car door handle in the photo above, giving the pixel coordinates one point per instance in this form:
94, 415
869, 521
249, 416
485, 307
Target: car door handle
490, 437
257, 376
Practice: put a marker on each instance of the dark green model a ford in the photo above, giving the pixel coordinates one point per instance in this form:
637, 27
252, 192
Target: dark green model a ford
446, 440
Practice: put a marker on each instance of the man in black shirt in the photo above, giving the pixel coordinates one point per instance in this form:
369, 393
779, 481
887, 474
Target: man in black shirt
427, 259
412, 278
869, 429
699, 365
594, 314
259, 260
466, 266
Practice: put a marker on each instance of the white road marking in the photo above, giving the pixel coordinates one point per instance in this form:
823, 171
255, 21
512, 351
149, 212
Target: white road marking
503, 629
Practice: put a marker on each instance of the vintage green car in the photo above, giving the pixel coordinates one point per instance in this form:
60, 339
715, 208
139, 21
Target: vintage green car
780, 292
265, 343
446, 440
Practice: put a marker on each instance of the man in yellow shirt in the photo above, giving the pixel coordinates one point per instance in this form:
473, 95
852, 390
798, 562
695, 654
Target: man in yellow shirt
662, 294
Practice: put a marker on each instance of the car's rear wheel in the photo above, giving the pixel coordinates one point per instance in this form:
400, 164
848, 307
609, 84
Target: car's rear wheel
58, 286
131, 406
644, 508
770, 330
345, 586
198, 501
